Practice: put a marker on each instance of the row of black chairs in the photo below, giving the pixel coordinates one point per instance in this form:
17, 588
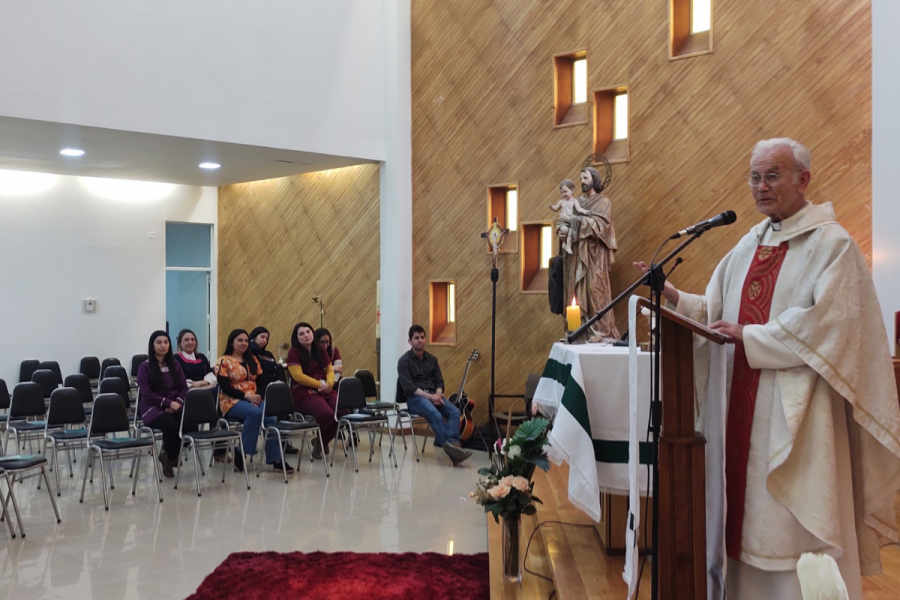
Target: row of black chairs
90, 366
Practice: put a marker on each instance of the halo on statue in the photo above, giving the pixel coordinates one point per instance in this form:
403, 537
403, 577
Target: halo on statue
592, 160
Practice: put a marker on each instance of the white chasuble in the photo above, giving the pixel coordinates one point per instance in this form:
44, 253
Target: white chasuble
824, 450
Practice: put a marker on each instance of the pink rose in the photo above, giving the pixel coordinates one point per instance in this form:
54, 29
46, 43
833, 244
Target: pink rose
521, 484
499, 491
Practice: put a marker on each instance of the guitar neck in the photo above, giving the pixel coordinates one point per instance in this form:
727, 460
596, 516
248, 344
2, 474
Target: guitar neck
462, 384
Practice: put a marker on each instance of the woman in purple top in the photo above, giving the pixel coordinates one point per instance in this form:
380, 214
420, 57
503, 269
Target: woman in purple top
162, 389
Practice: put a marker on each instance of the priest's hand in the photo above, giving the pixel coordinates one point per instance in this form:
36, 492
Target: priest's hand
734, 331
670, 293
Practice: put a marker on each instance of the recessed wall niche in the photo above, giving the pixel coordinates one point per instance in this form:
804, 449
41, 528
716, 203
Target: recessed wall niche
611, 115
570, 89
538, 247
442, 312
503, 203
690, 31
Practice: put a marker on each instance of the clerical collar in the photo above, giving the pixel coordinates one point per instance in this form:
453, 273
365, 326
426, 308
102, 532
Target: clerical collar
792, 220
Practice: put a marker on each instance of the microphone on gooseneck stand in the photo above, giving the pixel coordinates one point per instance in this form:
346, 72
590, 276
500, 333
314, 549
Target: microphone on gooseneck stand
726, 218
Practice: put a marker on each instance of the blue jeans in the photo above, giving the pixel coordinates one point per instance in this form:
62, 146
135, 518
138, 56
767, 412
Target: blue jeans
252, 418
444, 419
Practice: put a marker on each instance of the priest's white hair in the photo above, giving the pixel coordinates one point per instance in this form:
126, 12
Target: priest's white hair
801, 152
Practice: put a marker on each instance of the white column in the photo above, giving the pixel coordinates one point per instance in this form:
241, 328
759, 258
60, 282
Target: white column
886, 157
396, 195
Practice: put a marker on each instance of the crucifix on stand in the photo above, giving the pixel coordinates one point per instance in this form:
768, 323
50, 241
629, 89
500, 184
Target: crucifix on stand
317, 300
494, 237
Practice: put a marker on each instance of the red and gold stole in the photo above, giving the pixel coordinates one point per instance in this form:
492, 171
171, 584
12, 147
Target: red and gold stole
756, 302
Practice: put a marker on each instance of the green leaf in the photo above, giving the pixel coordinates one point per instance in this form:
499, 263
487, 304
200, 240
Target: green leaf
529, 510
541, 462
530, 430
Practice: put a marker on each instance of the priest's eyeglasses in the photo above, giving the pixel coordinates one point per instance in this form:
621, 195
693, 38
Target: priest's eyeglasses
755, 179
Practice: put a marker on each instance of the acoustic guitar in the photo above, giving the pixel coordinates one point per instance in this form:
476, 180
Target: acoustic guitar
465, 404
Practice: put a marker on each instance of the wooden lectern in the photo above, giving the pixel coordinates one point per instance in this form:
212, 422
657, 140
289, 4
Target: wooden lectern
681, 553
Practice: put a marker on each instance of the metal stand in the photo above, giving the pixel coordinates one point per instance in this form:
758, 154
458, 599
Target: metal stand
495, 275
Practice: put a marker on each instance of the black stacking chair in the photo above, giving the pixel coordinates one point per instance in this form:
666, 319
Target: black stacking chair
4, 406
136, 361
279, 404
26, 411
200, 409
110, 417
403, 412
47, 380
52, 366
90, 367
117, 385
119, 372
65, 427
352, 397
82, 384
27, 369
108, 362
371, 390
16, 469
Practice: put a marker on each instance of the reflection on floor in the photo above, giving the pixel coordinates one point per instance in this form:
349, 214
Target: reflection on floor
144, 549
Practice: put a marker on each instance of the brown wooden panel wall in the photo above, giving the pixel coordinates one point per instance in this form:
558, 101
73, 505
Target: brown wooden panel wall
482, 79
282, 241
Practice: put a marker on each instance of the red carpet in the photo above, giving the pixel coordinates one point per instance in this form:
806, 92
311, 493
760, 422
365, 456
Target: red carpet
347, 576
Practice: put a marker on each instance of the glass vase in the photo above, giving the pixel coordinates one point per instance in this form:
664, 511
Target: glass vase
510, 540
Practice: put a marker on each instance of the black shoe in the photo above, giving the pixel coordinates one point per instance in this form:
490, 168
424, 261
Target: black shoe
287, 468
288, 449
238, 462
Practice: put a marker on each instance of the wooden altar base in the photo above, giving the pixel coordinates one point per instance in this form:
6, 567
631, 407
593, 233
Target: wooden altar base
573, 557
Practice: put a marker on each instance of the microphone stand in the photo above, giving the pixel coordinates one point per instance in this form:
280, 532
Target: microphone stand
655, 277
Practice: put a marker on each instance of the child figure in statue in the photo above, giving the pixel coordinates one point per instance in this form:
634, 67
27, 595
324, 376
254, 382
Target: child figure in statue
566, 207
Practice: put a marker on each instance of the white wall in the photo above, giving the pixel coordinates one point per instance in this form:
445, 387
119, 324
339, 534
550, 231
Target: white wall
67, 244
886, 157
296, 74
396, 196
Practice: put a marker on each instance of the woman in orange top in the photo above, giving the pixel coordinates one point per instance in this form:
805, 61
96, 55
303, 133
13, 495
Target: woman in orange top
236, 373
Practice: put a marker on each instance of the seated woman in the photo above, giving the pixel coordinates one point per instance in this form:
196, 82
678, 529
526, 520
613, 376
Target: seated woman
271, 370
236, 373
312, 383
196, 367
162, 389
323, 338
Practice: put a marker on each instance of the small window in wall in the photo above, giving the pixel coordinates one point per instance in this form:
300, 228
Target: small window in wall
570, 89
503, 204
538, 247
611, 123
442, 312
690, 33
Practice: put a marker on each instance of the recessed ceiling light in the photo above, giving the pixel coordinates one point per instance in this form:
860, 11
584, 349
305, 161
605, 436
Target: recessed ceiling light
209, 165
72, 152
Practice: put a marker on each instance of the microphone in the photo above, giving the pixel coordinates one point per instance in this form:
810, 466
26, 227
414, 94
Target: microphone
726, 218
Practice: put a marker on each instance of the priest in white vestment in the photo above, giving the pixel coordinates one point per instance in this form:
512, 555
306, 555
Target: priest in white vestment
812, 432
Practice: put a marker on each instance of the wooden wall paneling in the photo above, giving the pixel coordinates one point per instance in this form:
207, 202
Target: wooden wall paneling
282, 241
482, 106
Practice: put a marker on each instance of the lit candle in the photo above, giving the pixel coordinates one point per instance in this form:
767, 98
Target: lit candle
573, 316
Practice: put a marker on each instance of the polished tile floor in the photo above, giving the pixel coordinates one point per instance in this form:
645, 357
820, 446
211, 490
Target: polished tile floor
142, 548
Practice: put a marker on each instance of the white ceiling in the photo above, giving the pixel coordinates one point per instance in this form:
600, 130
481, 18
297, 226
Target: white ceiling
30, 145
